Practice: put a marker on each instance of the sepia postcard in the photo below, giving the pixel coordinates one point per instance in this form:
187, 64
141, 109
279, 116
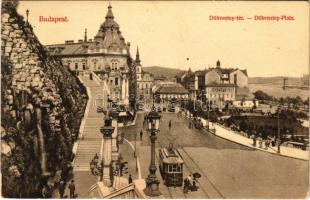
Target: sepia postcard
155, 99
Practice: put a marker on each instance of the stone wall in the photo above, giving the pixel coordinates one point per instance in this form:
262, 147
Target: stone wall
41, 110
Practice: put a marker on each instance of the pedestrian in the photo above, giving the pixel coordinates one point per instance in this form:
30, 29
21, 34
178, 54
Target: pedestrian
254, 140
72, 189
96, 159
129, 179
141, 134
260, 142
61, 188
186, 184
92, 166
194, 186
267, 143
169, 124
190, 179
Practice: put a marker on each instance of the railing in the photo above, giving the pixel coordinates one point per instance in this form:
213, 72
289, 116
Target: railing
127, 192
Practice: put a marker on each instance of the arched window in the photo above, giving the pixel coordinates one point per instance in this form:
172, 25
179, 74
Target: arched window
95, 65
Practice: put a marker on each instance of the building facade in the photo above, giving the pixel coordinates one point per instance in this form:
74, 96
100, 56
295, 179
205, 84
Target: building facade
219, 86
189, 80
145, 80
165, 92
222, 85
107, 55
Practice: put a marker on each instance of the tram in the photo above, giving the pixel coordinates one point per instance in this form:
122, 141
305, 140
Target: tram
171, 166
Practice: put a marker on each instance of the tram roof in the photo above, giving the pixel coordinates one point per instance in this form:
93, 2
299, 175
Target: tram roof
172, 156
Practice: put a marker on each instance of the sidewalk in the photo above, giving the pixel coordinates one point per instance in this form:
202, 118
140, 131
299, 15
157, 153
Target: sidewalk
223, 132
227, 134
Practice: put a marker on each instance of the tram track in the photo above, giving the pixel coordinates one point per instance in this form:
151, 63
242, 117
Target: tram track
200, 186
208, 179
191, 172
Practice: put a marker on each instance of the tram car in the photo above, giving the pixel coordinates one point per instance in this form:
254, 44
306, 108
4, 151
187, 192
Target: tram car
171, 166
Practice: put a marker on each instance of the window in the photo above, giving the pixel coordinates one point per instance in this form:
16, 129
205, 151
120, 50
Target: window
114, 66
95, 65
116, 81
169, 168
235, 78
84, 66
76, 65
111, 82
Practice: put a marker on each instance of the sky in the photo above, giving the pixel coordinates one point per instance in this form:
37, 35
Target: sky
168, 33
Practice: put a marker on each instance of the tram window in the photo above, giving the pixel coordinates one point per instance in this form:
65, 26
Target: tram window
169, 168
174, 168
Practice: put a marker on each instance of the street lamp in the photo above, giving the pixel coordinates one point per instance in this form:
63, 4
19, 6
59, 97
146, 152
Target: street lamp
279, 139
107, 131
151, 181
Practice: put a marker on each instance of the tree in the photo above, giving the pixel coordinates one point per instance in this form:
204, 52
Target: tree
260, 95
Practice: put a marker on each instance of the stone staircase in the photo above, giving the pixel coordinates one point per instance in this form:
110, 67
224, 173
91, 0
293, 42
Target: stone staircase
90, 140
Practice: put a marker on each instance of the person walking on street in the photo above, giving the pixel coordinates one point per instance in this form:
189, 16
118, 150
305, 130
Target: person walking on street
186, 184
141, 134
61, 188
96, 159
129, 179
72, 189
92, 166
267, 143
254, 140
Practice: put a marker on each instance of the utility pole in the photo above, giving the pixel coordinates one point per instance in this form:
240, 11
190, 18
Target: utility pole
27, 13
135, 154
279, 140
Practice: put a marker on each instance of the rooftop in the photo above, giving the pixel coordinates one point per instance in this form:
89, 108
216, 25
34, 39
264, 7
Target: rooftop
172, 88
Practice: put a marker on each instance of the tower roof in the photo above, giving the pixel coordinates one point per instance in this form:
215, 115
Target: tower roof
138, 61
109, 23
109, 34
85, 35
109, 13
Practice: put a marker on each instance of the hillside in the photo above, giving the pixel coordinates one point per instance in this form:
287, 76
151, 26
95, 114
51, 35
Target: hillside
158, 71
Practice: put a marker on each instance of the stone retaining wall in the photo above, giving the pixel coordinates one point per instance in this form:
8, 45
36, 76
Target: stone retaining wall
39, 95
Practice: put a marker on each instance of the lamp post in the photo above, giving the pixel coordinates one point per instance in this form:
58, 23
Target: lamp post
107, 131
279, 140
151, 181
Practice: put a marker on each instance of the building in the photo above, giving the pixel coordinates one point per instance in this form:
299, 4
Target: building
222, 85
107, 55
189, 80
145, 80
244, 99
166, 92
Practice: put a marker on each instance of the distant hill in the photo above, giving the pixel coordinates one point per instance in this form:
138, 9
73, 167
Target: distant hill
274, 80
158, 71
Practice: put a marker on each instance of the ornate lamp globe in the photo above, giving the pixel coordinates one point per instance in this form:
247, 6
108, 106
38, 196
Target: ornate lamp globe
153, 119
